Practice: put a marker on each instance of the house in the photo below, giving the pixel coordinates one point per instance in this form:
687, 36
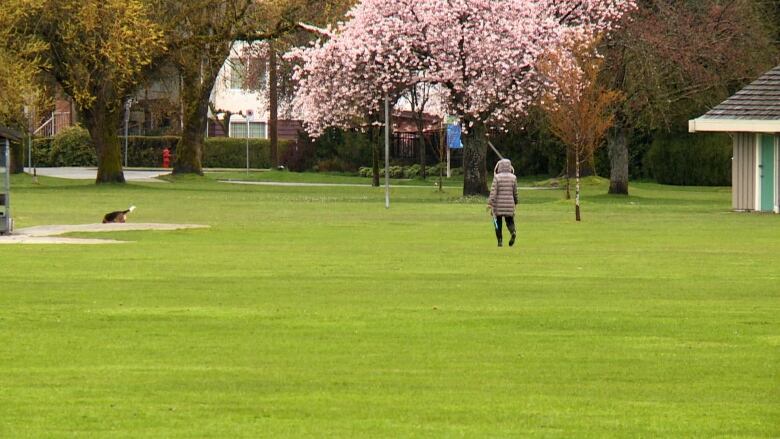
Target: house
241, 89
752, 118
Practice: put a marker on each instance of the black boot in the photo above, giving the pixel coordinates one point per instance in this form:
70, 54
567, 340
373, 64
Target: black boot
500, 242
512, 239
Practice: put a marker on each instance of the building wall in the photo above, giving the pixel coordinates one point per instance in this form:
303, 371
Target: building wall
229, 95
743, 172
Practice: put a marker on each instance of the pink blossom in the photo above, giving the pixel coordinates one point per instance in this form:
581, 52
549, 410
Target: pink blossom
482, 53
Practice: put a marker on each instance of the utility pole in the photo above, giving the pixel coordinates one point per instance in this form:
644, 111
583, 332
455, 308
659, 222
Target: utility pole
387, 152
273, 103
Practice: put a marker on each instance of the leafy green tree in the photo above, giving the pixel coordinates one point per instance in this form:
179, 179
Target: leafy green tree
673, 59
96, 51
21, 91
201, 34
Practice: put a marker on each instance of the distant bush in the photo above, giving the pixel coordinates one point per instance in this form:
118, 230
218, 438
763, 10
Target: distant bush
218, 152
352, 148
41, 152
691, 160
335, 164
299, 156
227, 152
148, 150
72, 147
412, 171
409, 172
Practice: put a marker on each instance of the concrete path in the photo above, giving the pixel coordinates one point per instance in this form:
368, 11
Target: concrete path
293, 184
145, 176
49, 234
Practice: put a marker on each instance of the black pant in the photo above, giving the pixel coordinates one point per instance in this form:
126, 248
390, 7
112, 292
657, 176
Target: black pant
510, 225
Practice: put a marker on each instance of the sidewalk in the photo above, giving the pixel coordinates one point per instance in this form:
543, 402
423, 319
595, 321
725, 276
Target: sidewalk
145, 176
394, 186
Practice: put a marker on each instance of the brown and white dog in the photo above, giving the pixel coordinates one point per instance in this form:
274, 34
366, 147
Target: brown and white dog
118, 216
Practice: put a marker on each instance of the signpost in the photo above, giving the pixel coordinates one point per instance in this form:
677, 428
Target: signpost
128, 104
453, 139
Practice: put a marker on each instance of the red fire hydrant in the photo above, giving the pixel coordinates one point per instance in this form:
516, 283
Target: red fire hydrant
166, 158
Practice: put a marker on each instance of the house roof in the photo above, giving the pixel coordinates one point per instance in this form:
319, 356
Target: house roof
8, 133
755, 108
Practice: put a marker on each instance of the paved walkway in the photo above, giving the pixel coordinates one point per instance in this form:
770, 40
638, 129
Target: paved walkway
145, 176
294, 184
50, 234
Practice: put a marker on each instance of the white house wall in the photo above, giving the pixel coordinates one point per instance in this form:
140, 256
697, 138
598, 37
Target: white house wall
237, 100
240, 100
743, 172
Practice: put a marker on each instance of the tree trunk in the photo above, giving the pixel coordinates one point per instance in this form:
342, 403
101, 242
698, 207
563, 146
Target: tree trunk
421, 141
17, 156
618, 159
577, 189
189, 151
568, 166
475, 160
423, 171
197, 83
273, 102
103, 124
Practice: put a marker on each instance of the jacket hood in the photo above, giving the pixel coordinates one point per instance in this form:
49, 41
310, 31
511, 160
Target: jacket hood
503, 165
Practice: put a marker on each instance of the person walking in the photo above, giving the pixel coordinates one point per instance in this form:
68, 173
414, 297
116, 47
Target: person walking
503, 198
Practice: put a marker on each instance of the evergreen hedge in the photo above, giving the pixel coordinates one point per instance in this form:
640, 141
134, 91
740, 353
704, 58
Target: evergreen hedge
73, 148
691, 159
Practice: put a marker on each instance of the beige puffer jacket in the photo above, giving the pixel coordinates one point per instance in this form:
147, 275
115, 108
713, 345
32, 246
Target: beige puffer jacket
503, 193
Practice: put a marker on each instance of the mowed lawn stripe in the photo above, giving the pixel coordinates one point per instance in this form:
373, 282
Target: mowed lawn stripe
316, 312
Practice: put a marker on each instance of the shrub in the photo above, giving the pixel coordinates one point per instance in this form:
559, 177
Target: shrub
639, 144
396, 172
41, 152
366, 172
688, 159
334, 165
299, 156
72, 147
226, 152
412, 171
147, 150
352, 147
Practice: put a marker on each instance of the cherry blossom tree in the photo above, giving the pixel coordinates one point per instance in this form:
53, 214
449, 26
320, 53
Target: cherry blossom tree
482, 54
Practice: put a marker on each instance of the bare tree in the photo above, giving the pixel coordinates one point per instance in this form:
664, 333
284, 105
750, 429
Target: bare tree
670, 59
577, 106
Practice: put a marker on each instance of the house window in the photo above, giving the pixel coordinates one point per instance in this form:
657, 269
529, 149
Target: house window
257, 130
237, 73
247, 74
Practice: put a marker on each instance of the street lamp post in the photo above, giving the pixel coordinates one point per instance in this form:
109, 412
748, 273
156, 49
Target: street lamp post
128, 104
249, 114
387, 152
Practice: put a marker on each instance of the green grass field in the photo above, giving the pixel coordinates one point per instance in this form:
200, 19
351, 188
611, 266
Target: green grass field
315, 312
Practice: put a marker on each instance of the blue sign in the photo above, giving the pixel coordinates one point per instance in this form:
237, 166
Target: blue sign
453, 136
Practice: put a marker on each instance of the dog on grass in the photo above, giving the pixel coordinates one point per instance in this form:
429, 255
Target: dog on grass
118, 216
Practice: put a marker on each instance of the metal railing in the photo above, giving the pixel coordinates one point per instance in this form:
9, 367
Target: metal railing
58, 121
